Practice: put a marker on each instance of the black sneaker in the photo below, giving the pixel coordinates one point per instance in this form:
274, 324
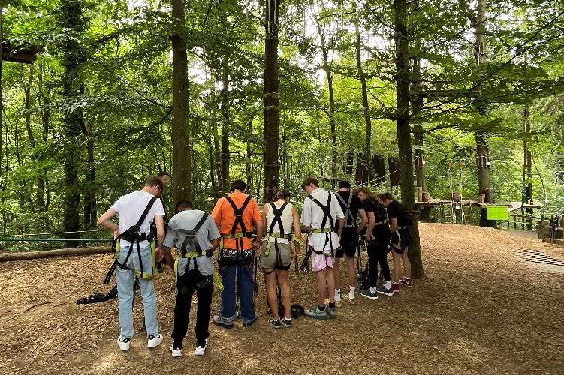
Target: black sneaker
286, 322
276, 323
248, 324
385, 291
220, 321
366, 293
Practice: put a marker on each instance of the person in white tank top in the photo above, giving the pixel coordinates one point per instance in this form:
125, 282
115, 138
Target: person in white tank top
280, 217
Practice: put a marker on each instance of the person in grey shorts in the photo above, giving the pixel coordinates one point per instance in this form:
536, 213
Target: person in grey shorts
280, 216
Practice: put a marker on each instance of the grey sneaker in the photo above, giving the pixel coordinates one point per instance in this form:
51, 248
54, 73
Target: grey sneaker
315, 313
276, 323
220, 321
286, 322
385, 291
332, 312
366, 293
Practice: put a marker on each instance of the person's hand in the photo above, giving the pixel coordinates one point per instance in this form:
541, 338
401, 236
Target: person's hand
256, 246
368, 237
116, 233
159, 255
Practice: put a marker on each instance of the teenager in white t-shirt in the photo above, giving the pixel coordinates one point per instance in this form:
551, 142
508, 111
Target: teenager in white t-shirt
130, 208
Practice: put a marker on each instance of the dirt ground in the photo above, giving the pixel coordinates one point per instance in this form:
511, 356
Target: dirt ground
481, 309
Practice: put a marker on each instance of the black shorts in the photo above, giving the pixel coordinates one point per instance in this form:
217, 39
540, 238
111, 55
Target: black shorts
349, 242
401, 242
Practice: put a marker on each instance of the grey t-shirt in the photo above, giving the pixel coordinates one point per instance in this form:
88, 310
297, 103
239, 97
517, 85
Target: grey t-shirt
187, 220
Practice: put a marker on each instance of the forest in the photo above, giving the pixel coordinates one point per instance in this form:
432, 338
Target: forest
451, 95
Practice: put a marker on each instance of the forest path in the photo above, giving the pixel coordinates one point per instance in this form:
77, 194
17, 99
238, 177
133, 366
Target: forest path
482, 309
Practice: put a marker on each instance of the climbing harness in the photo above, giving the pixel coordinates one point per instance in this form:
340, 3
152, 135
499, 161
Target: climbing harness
134, 238
323, 228
280, 234
350, 220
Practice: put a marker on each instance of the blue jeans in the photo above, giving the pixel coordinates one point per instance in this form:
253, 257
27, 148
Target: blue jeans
125, 279
245, 285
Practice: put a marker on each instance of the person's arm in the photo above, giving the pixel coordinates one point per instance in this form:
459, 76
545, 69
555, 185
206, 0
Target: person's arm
370, 225
159, 222
340, 225
104, 221
393, 224
263, 214
363, 220
296, 217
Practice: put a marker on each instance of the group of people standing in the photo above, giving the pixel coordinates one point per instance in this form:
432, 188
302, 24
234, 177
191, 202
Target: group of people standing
244, 235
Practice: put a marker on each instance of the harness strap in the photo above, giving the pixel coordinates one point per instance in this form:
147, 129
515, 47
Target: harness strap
326, 216
350, 221
238, 212
132, 236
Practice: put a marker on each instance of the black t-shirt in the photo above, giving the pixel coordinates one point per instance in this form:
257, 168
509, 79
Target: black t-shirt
350, 220
396, 210
382, 229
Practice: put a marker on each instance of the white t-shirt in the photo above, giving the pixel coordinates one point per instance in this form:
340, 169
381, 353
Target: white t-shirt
312, 216
130, 207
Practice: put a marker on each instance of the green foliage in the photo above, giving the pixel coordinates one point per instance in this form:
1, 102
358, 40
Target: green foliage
122, 51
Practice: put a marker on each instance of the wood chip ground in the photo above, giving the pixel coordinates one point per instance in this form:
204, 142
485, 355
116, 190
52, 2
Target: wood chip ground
481, 309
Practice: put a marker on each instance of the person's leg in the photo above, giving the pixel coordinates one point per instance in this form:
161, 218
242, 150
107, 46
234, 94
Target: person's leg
285, 291
322, 287
227, 310
329, 271
271, 297
406, 264
184, 292
351, 271
205, 296
124, 284
149, 306
337, 277
246, 289
372, 264
397, 266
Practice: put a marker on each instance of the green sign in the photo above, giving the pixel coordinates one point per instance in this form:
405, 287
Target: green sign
498, 213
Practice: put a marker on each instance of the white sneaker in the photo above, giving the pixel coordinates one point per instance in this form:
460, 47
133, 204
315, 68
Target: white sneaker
123, 343
175, 352
154, 341
201, 350
351, 294
337, 294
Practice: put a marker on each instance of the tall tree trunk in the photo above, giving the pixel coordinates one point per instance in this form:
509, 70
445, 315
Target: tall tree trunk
403, 131
73, 122
365, 104
89, 220
416, 106
482, 148
217, 159
181, 158
1, 85
44, 103
271, 102
249, 153
527, 166
331, 111
225, 153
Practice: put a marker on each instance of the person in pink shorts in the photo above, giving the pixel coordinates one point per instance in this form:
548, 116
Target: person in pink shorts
323, 217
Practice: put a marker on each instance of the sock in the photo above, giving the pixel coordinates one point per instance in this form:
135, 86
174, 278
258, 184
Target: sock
337, 294
388, 284
331, 305
372, 289
322, 307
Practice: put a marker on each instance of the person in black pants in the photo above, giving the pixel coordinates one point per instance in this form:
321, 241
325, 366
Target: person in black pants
194, 235
378, 244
